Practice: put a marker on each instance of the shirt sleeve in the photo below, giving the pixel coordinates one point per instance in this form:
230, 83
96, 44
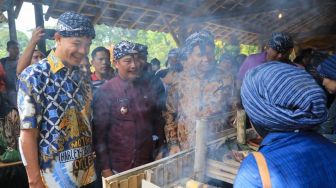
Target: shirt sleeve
170, 115
243, 68
158, 120
30, 110
248, 174
101, 125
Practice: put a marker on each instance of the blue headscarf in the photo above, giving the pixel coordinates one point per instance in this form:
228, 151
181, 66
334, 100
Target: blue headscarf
282, 97
142, 50
328, 68
124, 48
72, 24
201, 38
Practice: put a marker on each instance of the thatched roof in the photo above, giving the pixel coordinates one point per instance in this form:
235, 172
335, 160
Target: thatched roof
247, 20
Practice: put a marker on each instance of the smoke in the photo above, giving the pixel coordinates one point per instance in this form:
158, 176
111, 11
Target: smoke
208, 93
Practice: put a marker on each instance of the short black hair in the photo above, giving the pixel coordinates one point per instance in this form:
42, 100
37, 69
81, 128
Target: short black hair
12, 43
155, 61
100, 49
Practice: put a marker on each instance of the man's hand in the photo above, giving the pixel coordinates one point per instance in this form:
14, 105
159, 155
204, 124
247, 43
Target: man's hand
174, 149
37, 34
106, 173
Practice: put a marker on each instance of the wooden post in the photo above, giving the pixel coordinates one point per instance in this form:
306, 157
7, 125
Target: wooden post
200, 150
11, 21
241, 127
40, 22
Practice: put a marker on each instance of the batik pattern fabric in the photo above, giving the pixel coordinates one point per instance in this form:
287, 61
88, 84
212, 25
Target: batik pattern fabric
10, 129
56, 100
191, 98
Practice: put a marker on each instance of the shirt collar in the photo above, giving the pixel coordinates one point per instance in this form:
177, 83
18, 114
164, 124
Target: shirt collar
94, 77
275, 136
55, 63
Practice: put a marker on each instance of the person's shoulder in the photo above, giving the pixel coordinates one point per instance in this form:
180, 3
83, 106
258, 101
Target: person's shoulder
109, 84
3, 60
36, 70
248, 174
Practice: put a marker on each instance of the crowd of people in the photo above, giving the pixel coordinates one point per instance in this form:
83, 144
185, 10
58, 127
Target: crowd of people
76, 125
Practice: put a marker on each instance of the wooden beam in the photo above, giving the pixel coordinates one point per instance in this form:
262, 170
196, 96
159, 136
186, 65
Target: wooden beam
268, 6
50, 9
122, 14
157, 18
247, 27
140, 17
168, 25
11, 21
81, 6
40, 22
293, 20
144, 5
18, 8
203, 8
171, 31
320, 31
100, 13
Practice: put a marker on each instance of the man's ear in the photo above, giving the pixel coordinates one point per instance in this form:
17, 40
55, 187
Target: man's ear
280, 56
115, 63
57, 37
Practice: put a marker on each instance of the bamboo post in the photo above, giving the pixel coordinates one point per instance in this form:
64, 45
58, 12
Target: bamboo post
200, 150
241, 127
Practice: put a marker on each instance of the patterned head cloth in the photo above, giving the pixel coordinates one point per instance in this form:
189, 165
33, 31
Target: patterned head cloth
281, 97
281, 42
72, 24
142, 49
173, 52
124, 48
328, 68
201, 38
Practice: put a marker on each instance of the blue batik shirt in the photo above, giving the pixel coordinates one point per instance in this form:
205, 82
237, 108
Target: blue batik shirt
300, 159
56, 100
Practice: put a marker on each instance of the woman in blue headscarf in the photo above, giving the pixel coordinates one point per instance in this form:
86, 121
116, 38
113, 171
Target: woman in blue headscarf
285, 104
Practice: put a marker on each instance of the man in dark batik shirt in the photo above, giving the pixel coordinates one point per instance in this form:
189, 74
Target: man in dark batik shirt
123, 116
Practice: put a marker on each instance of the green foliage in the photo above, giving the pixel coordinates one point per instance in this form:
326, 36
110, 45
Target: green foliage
158, 43
233, 50
248, 49
4, 35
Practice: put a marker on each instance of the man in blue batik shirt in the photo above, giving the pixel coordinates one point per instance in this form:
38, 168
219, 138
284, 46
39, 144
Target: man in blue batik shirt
54, 101
284, 104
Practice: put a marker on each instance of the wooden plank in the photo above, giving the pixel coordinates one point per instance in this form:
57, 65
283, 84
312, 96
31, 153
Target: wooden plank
149, 175
132, 182
222, 167
123, 184
140, 177
219, 176
145, 167
113, 184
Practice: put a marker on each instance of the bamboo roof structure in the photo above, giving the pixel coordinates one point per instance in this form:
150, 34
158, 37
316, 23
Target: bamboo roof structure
247, 21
